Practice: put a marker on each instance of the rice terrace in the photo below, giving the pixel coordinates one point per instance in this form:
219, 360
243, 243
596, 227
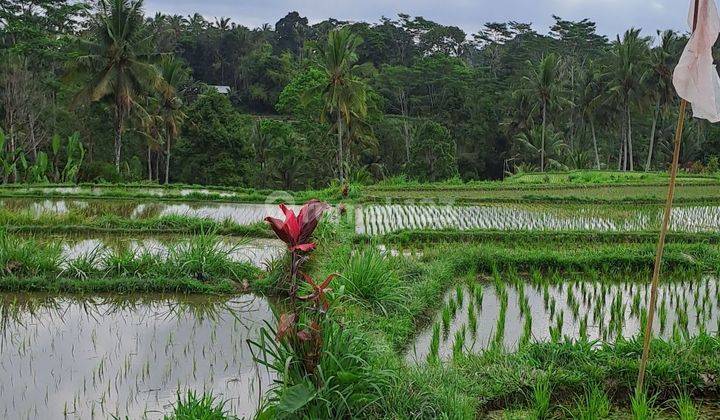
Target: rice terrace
335, 218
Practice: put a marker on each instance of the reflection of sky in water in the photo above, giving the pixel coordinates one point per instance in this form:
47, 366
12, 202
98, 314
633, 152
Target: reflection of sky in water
94, 359
243, 214
594, 300
184, 192
380, 219
258, 252
240, 213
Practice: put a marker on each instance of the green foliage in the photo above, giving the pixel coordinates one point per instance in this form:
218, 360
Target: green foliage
351, 377
432, 153
297, 97
214, 147
194, 407
369, 277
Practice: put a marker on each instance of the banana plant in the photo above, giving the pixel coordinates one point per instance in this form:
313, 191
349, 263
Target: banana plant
8, 160
38, 171
75, 157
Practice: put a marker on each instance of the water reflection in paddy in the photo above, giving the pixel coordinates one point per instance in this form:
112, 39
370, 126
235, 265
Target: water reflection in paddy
381, 219
240, 213
509, 314
104, 356
259, 252
156, 191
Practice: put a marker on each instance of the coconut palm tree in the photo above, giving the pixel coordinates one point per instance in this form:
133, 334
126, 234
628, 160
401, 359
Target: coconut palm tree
627, 74
588, 100
344, 93
117, 61
542, 82
662, 60
545, 143
175, 76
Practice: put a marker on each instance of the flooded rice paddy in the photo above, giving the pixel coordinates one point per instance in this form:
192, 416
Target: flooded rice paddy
259, 252
239, 213
474, 318
103, 357
154, 191
381, 219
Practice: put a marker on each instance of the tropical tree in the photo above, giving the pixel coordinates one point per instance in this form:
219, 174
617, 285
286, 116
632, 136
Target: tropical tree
117, 61
627, 72
344, 93
588, 100
542, 82
175, 76
660, 87
545, 143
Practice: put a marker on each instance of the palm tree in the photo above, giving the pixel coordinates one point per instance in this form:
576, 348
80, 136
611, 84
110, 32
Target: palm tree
589, 101
662, 60
117, 61
627, 74
545, 142
542, 83
175, 75
344, 93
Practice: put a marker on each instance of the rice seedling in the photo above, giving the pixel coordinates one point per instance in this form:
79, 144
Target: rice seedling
479, 297
433, 355
459, 296
191, 406
446, 318
459, 343
472, 318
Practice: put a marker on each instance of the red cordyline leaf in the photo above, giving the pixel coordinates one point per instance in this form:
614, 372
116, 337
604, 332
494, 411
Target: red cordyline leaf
285, 325
296, 231
319, 290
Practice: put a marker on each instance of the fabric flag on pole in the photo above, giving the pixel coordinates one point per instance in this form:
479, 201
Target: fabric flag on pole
695, 78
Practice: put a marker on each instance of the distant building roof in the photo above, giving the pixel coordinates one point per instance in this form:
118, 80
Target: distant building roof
221, 89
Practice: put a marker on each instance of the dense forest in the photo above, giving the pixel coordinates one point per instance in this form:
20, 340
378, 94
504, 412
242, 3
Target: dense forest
100, 91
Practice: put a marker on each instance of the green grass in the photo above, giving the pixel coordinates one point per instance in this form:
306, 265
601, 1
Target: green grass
194, 407
76, 222
422, 237
194, 265
381, 302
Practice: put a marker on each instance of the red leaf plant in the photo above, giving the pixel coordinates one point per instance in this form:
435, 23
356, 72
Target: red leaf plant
295, 231
318, 292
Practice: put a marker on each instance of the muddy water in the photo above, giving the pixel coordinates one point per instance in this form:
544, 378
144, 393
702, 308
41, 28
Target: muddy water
590, 310
259, 252
240, 213
380, 219
104, 356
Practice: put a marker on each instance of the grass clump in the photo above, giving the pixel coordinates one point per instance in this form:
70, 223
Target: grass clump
370, 278
194, 407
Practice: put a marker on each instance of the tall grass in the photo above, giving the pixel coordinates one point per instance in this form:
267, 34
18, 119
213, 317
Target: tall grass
641, 407
370, 278
593, 405
541, 395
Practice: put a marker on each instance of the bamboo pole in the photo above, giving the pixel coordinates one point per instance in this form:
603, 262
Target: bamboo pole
663, 233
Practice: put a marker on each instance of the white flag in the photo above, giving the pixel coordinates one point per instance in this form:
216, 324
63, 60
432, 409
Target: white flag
695, 78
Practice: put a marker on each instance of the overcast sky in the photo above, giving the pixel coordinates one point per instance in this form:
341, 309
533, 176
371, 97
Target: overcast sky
612, 16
